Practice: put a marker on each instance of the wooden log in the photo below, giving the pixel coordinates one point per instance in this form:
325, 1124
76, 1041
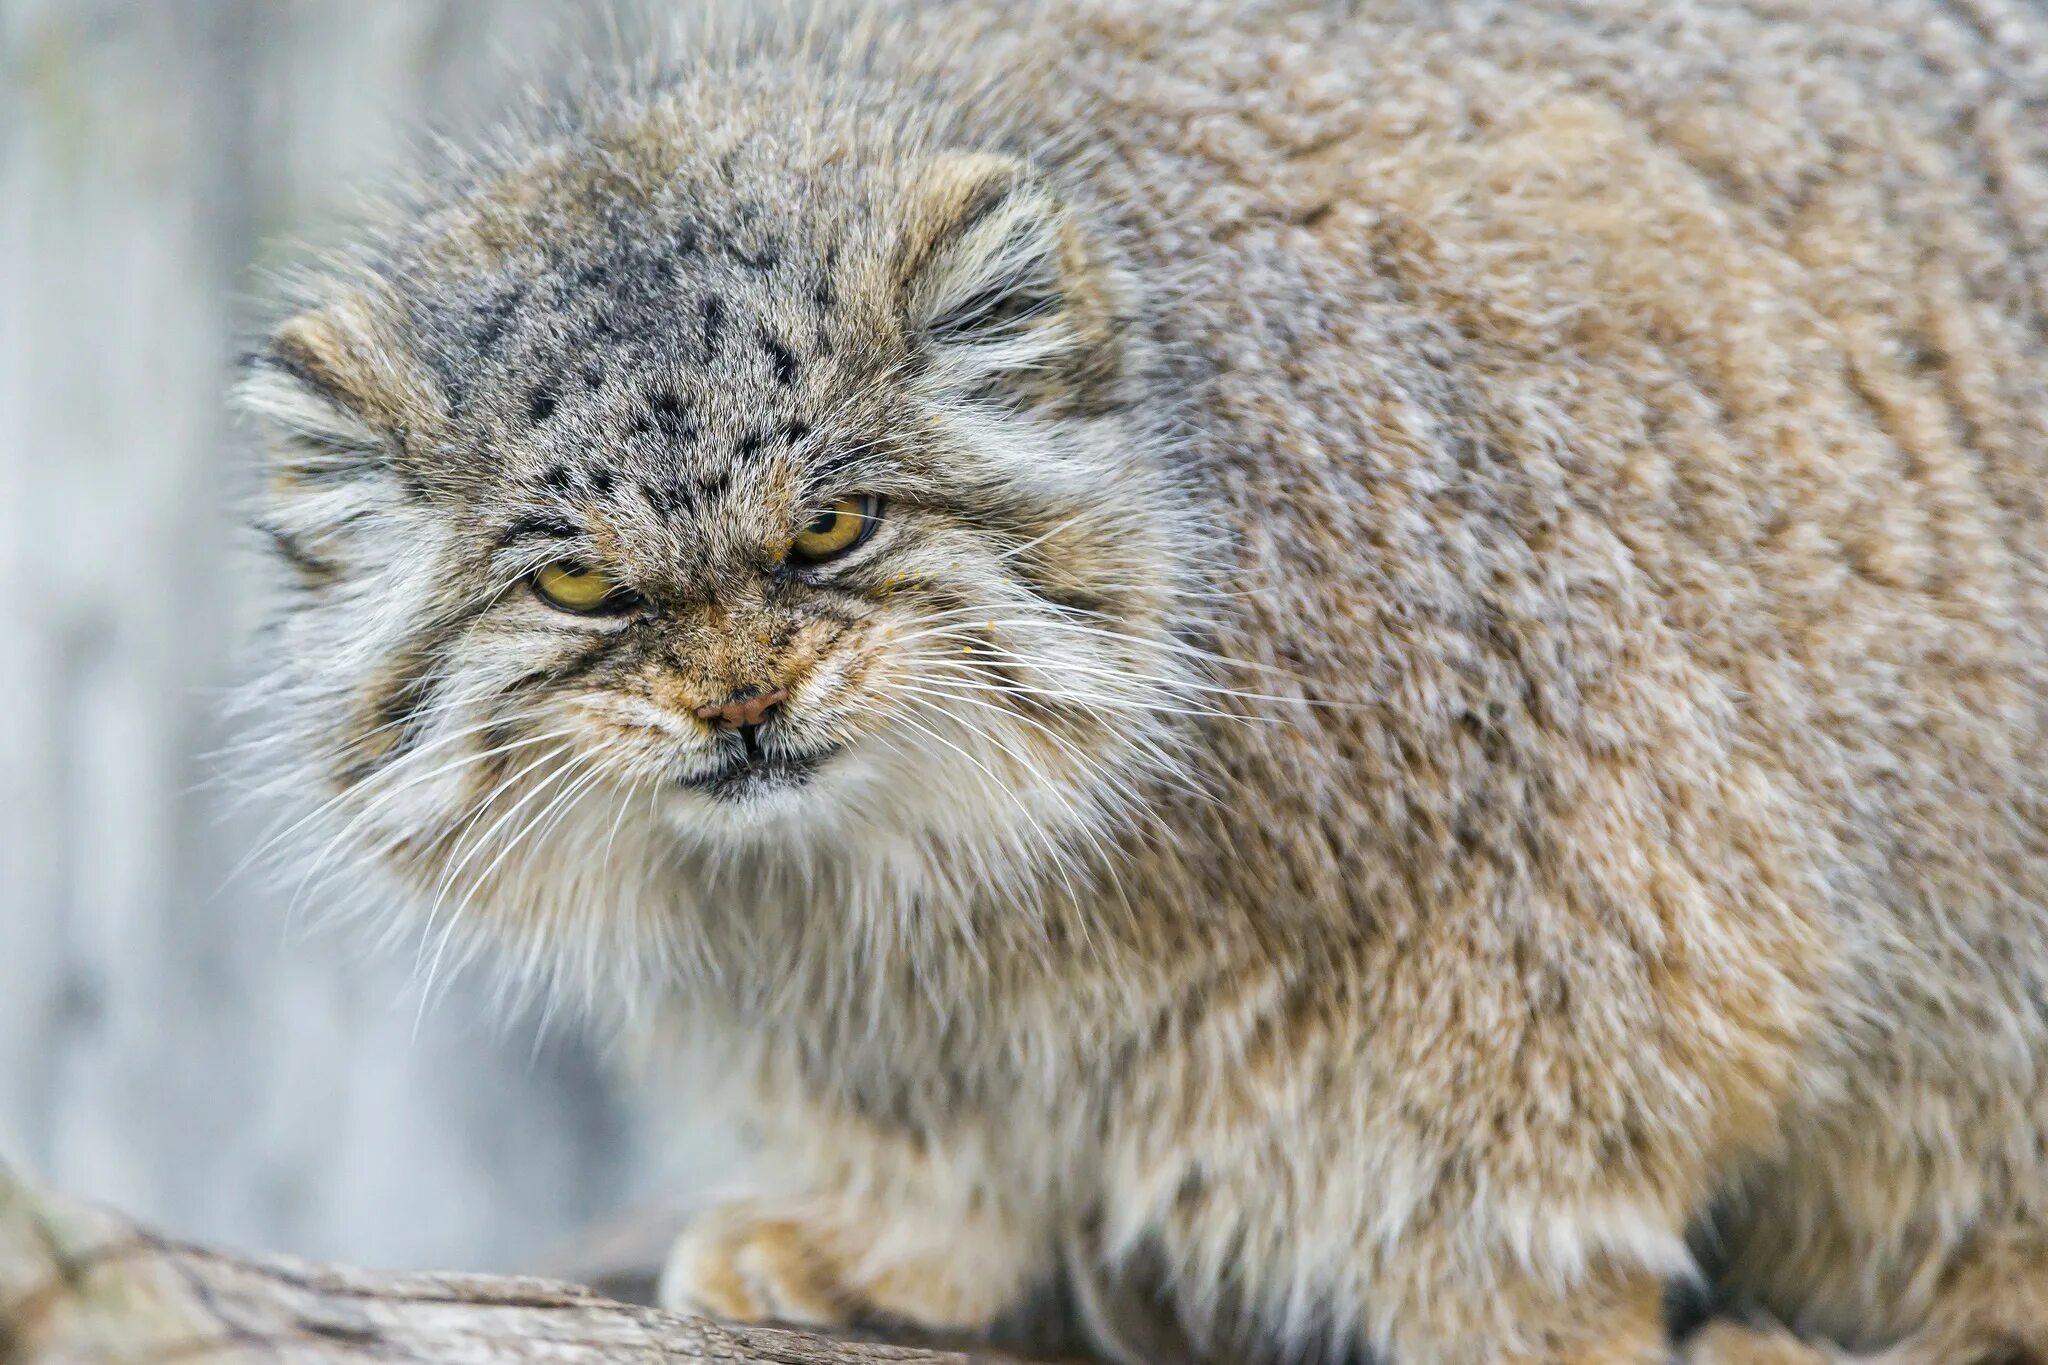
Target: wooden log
81, 1286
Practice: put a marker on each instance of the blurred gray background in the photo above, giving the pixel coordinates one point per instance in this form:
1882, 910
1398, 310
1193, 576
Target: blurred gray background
167, 1041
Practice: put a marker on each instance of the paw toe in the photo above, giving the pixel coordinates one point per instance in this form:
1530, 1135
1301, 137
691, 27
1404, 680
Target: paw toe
750, 1268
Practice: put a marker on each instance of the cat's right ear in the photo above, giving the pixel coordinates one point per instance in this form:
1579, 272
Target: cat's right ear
324, 393
331, 404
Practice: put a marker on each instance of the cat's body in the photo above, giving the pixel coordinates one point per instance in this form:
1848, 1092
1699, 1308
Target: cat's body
1444, 729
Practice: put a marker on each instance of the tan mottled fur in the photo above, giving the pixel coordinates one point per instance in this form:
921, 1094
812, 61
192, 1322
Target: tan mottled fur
1551, 806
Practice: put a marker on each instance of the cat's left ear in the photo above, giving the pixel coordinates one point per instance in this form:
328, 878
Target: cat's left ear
330, 394
997, 280
333, 401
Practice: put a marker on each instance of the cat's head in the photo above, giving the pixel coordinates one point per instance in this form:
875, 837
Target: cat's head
724, 496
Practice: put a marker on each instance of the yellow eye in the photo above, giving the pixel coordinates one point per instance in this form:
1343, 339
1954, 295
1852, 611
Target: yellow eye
837, 529
574, 587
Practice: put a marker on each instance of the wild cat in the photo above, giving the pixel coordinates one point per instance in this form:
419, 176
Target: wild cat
1388, 657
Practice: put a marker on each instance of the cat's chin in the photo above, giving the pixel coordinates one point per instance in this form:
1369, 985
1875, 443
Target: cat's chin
765, 796
757, 776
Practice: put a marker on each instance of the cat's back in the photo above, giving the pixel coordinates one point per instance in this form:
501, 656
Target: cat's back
1728, 270
1543, 349
1630, 404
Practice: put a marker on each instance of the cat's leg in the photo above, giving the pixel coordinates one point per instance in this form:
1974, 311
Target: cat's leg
1244, 1267
1621, 1319
884, 1231
1734, 1343
1615, 1319
1602, 1318
1990, 1307
1478, 1163
1604, 1322
838, 1260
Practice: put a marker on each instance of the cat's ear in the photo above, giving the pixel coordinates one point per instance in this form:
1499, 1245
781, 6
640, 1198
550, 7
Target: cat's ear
995, 278
325, 393
330, 400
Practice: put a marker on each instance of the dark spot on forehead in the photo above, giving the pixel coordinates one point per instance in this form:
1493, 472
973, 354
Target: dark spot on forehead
795, 430
781, 357
671, 417
751, 443
494, 318
667, 499
713, 323
557, 478
603, 481
540, 405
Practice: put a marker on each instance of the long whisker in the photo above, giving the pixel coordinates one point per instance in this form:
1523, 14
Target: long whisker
982, 643
483, 808
455, 917
1051, 846
1080, 821
1065, 744
1098, 699
272, 840
394, 788
394, 783
1053, 618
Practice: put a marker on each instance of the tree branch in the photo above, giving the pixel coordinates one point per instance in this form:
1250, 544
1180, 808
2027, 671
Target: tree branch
80, 1285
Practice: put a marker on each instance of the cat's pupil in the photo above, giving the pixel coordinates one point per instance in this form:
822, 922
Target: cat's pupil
823, 522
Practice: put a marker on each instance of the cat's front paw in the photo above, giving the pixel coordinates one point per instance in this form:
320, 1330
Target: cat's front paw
821, 1266
743, 1262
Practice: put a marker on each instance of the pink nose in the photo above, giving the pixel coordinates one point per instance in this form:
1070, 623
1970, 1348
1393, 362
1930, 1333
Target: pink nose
743, 709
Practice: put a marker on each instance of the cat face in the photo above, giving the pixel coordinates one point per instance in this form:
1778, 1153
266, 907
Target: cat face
747, 510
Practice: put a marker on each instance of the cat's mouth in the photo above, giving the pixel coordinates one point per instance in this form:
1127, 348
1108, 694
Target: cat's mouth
748, 769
